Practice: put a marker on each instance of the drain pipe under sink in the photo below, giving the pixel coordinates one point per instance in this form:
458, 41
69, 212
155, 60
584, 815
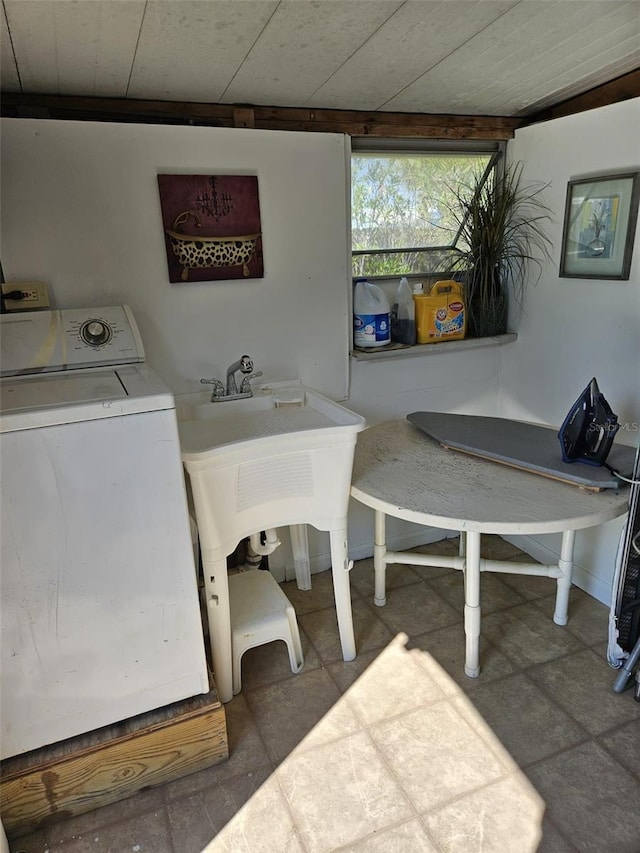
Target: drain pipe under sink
256, 549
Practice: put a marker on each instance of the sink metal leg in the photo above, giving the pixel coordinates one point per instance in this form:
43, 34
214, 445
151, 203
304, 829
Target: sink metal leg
216, 586
300, 548
472, 605
340, 567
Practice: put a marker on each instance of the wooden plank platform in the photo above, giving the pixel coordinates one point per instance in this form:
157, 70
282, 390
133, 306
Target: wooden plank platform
47, 785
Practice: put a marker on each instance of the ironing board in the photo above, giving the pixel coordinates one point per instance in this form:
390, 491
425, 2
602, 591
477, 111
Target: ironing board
532, 447
400, 471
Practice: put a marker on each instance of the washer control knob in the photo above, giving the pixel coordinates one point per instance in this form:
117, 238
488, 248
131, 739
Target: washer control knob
95, 333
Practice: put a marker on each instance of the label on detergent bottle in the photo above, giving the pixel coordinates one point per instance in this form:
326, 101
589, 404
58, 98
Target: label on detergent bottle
451, 321
440, 316
370, 329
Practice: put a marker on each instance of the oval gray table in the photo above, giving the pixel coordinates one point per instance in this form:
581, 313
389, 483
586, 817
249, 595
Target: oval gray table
399, 471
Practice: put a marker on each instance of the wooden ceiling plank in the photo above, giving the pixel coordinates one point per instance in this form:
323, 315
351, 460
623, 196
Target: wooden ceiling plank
494, 67
8, 67
623, 88
567, 92
302, 45
86, 48
191, 50
614, 49
418, 36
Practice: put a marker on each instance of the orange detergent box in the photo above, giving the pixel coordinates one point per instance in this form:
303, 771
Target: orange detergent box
441, 313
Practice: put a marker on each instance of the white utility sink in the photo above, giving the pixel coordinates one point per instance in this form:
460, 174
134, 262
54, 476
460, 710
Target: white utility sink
282, 458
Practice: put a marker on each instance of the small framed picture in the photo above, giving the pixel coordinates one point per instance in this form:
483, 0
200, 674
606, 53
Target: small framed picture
599, 226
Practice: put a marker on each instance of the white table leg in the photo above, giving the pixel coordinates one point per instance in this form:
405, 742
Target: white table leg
379, 561
216, 586
472, 605
341, 590
565, 564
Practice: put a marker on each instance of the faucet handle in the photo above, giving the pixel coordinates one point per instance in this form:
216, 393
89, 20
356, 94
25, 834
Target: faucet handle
246, 386
218, 387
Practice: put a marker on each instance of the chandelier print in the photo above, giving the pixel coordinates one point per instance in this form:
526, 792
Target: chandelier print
211, 226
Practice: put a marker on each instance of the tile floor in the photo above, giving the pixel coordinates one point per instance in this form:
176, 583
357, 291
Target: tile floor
398, 750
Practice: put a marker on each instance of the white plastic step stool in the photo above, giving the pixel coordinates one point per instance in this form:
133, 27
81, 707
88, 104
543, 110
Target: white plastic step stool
260, 613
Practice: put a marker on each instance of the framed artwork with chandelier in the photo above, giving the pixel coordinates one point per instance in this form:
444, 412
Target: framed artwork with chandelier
599, 226
211, 227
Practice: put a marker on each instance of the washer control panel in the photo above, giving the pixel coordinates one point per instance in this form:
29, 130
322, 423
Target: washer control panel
45, 341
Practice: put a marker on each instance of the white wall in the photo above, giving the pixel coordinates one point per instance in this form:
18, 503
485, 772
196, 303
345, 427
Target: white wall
574, 329
81, 211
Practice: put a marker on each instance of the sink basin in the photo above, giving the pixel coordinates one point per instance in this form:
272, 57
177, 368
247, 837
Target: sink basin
279, 409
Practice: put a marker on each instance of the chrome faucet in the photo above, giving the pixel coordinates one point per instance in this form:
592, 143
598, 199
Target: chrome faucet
220, 393
244, 365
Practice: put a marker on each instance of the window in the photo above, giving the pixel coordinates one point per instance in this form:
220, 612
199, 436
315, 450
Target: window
403, 204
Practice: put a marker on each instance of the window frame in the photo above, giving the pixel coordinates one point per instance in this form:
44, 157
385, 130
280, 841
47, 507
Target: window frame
389, 147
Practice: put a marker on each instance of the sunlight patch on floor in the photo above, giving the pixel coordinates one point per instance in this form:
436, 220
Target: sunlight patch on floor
403, 761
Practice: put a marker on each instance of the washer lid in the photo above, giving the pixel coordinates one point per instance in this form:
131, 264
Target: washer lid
44, 392
29, 402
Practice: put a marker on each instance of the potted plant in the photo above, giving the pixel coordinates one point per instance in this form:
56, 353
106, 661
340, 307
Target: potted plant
501, 236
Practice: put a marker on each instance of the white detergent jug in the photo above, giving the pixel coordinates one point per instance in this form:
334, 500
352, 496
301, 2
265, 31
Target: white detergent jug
371, 326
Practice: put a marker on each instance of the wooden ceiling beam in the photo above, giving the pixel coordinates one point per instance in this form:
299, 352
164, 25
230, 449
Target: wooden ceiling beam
350, 122
623, 88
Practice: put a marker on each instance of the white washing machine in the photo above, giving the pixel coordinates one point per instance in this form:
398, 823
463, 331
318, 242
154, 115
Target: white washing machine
99, 609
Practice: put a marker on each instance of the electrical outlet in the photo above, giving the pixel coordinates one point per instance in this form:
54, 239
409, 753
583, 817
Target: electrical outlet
27, 295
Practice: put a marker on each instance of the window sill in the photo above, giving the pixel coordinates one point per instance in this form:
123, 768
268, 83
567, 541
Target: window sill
401, 351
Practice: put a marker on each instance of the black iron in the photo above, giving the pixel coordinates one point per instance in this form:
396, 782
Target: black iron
589, 429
